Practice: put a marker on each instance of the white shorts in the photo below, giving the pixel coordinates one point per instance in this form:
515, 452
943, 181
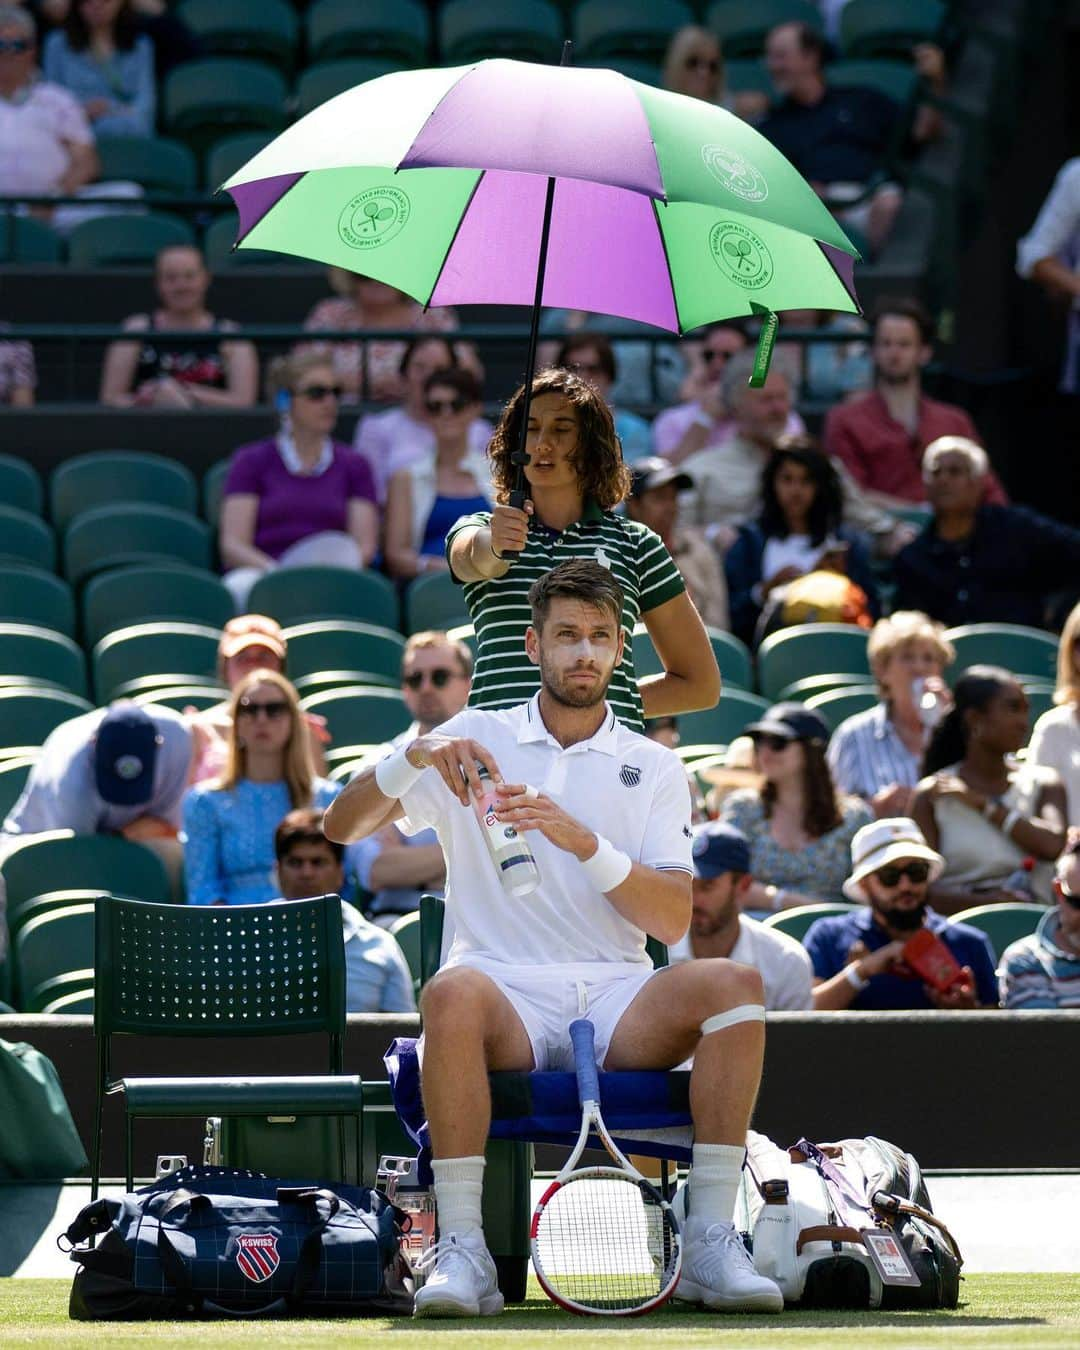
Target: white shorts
549, 998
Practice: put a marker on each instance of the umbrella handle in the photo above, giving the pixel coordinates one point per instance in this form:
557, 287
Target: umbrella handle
518, 498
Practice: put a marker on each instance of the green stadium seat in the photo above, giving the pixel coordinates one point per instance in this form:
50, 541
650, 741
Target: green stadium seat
20, 483
35, 653
898, 80
114, 536
434, 601
748, 75
129, 595
1003, 923
13, 775
798, 691
265, 29
809, 649
52, 944
322, 680
30, 906
125, 240
218, 244
29, 716
392, 28
796, 922
1040, 699
360, 718
141, 687
407, 932
25, 538
295, 595
30, 595
103, 863
213, 487
25, 240
889, 28
230, 153
156, 162
837, 705
743, 25
66, 995
150, 649
326, 79
112, 477
202, 99
528, 30
732, 656
633, 67
720, 725
343, 644
1027, 652
180, 697
638, 28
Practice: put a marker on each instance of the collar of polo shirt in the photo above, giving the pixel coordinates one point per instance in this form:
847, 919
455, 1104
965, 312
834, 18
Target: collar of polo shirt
533, 729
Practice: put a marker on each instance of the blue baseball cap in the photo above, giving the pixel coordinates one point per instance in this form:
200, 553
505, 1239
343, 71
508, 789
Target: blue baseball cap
718, 848
125, 750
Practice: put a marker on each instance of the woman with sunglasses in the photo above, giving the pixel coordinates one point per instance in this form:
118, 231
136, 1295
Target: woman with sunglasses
299, 498
694, 66
799, 827
229, 821
1055, 742
452, 480
998, 824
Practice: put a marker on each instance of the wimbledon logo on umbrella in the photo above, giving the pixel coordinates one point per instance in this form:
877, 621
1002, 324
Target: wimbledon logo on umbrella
737, 174
740, 254
373, 217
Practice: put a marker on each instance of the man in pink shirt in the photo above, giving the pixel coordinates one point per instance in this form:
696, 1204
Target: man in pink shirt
880, 437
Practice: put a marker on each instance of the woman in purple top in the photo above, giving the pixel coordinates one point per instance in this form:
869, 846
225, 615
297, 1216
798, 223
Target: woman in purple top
299, 498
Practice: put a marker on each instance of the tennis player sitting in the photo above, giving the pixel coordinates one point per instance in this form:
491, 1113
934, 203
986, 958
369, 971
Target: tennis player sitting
607, 814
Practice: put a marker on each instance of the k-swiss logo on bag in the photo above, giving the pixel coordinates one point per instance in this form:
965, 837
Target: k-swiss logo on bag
257, 1255
629, 776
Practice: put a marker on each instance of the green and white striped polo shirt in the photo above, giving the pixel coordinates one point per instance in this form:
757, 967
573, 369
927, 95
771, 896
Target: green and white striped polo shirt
504, 675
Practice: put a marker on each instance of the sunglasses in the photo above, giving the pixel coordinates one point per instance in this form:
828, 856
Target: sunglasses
440, 677
914, 871
702, 63
435, 406
15, 45
271, 710
764, 740
317, 392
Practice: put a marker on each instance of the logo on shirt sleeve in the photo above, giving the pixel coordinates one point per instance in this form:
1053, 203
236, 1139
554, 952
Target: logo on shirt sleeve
629, 775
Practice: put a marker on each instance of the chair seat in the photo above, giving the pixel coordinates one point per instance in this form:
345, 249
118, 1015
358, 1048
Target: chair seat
524, 1103
307, 1096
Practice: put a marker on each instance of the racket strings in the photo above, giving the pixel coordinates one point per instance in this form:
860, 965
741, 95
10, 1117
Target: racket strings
605, 1243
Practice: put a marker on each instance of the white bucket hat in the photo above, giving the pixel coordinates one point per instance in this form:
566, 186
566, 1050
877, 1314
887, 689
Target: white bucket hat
884, 842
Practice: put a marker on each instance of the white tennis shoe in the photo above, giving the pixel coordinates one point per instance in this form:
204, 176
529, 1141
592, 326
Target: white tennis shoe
717, 1271
461, 1279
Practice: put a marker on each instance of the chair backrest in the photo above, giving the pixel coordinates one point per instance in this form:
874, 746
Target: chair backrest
20, 482
407, 932
360, 718
743, 25
229, 154
732, 656
25, 240
434, 601
28, 717
111, 536
261, 28
40, 654
720, 725
638, 28
796, 922
154, 161
98, 862
1003, 923
889, 28
836, 705
397, 28
343, 644
25, 538
51, 944
13, 775
295, 595
153, 649
1028, 653
121, 240
30, 595
528, 30
798, 691
219, 92
809, 649
108, 477
326, 79
125, 596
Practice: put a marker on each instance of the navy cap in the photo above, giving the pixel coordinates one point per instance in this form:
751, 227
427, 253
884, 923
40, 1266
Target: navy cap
125, 751
794, 721
719, 847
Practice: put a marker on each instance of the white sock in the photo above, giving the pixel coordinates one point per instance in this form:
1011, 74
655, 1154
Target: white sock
459, 1186
714, 1181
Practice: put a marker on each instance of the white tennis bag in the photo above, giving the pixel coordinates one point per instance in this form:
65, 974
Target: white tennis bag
845, 1225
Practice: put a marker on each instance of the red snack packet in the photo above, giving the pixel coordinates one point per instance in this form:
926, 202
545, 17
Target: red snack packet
929, 957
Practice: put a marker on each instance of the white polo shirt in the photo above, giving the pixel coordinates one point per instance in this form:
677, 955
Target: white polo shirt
783, 963
631, 790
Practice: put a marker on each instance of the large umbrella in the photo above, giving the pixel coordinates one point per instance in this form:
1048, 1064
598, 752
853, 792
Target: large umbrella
507, 182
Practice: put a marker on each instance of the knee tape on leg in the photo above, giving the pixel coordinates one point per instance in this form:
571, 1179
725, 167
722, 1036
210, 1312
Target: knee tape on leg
745, 1012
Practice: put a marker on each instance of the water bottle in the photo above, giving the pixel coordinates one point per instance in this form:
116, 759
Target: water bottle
509, 851
931, 709
397, 1179
1020, 880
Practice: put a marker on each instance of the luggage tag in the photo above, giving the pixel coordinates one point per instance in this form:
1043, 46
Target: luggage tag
889, 1257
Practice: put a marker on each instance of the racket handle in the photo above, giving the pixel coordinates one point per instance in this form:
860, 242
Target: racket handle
583, 1039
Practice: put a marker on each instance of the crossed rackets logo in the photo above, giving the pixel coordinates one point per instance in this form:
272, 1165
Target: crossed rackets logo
741, 254
373, 217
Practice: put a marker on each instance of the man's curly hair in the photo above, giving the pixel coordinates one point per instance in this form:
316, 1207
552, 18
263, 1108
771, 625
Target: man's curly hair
598, 458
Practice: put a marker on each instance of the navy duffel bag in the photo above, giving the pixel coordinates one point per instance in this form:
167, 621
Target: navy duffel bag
217, 1242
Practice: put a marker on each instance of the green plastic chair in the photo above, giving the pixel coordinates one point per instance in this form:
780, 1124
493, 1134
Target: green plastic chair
121, 239
796, 922
720, 725
221, 972
528, 30
638, 28
180, 697
837, 705
434, 601
230, 153
51, 944
326, 79
213, 487
59, 862
1040, 699
889, 28
39, 653
218, 247
25, 538
407, 932
798, 691
115, 536
153, 649
320, 681
66, 995
343, 644
265, 29
110, 477
156, 162
23, 910
809, 649
160, 681
748, 75
359, 718
1003, 923
28, 718
898, 80
13, 775
130, 595
20, 482
297, 595
391, 28
633, 67
1027, 652
25, 240
30, 595
732, 656
743, 25
203, 99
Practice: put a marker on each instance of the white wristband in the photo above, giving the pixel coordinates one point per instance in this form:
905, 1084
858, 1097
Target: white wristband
394, 775
607, 868
851, 974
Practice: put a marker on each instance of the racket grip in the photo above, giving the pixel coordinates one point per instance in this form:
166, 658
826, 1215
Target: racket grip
583, 1039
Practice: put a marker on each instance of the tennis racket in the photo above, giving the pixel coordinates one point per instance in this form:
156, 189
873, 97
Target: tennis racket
603, 1239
